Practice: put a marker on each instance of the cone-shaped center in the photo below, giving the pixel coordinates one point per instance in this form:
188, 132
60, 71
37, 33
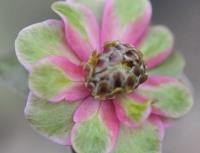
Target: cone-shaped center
118, 69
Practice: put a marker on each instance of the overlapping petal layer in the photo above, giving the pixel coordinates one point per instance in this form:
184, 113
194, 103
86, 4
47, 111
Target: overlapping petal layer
54, 76
132, 109
96, 129
81, 28
41, 40
50, 120
145, 139
157, 45
172, 67
171, 98
126, 25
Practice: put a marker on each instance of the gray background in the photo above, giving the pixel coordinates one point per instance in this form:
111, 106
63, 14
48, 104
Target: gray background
182, 16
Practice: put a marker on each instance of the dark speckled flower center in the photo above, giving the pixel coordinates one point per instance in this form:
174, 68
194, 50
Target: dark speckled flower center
118, 69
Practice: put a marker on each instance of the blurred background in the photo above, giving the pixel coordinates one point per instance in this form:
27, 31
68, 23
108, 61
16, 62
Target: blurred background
16, 136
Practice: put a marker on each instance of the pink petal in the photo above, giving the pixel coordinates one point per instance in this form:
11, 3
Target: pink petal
125, 117
111, 121
157, 45
74, 93
156, 120
157, 80
84, 38
75, 72
86, 110
40, 40
151, 63
105, 113
114, 29
77, 92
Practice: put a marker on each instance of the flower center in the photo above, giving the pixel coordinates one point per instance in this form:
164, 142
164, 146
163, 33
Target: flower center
118, 69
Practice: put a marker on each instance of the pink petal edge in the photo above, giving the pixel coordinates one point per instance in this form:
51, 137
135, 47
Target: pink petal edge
111, 121
156, 120
83, 47
120, 112
160, 58
156, 80
132, 34
86, 110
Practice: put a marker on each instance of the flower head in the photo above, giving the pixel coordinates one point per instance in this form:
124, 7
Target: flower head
103, 86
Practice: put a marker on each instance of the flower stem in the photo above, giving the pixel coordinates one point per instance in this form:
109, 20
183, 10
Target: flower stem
73, 151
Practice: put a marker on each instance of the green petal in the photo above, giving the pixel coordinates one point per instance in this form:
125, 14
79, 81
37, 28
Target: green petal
173, 66
171, 98
142, 140
157, 45
132, 110
40, 40
80, 26
48, 80
73, 15
54, 121
91, 136
137, 10
95, 5
125, 20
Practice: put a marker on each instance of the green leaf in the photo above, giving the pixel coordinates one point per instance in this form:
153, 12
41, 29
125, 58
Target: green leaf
138, 140
173, 66
171, 98
54, 121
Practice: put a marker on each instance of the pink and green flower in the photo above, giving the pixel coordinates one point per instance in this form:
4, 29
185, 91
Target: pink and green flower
103, 83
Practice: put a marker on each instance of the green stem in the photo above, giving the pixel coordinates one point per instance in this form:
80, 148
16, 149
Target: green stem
73, 151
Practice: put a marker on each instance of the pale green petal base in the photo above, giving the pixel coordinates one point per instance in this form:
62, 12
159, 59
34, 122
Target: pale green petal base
47, 80
172, 98
173, 66
142, 140
41, 40
159, 40
91, 136
54, 121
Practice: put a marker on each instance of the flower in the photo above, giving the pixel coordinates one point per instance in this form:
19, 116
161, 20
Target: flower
92, 88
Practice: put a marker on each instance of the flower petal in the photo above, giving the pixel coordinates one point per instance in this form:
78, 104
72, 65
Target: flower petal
171, 98
95, 5
98, 133
54, 121
91, 105
157, 45
157, 121
52, 77
41, 40
145, 139
173, 66
132, 109
125, 20
82, 31
77, 92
